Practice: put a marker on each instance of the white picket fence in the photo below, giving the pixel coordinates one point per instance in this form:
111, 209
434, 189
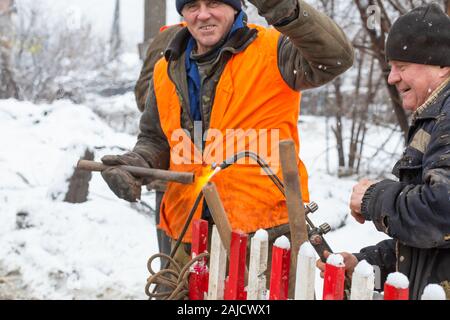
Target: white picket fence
232, 287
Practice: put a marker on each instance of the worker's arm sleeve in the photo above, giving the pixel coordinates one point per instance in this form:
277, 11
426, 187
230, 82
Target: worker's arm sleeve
152, 143
312, 50
155, 52
417, 215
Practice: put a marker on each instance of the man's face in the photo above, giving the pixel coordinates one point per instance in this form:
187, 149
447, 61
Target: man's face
414, 82
208, 22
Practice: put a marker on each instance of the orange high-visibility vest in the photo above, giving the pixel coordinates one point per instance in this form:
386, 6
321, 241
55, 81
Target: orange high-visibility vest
253, 110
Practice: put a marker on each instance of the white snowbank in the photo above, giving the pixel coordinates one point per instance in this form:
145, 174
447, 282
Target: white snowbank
364, 269
398, 280
433, 292
307, 250
336, 260
282, 243
94, 250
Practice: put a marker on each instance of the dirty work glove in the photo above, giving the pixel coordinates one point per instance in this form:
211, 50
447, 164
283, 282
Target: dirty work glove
277, 12
121, 182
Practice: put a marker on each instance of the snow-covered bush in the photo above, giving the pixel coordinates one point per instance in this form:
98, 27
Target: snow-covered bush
57, 55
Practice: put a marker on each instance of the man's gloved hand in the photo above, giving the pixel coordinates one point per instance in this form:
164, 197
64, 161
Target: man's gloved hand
276, 11
121, 182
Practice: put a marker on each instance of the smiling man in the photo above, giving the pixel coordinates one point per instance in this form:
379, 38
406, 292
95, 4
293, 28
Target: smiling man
219, 73
208, 21
415, 211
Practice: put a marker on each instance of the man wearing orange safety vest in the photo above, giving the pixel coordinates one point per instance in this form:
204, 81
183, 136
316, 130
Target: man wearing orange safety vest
221, 87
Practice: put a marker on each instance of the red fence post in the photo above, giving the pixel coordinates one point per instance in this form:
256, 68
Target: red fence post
396, 287
199, 277
281, 264
334, 278
235, 283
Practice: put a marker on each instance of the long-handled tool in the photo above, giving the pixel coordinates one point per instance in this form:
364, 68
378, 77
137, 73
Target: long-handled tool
294, 204
157, 174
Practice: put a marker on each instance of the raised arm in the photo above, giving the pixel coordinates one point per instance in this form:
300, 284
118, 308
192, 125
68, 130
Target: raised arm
313, 50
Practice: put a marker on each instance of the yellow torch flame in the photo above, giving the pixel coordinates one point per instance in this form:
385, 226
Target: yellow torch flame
208, 174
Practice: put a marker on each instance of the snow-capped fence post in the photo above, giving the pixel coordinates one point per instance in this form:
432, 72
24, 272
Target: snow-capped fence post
306, 273
363, 282
199, 275
258, 265
217, 267
433, 292
279, 276
235, 283
334, 278
396, 287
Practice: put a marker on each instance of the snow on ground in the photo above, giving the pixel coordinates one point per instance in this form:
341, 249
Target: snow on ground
99, 249
87, 251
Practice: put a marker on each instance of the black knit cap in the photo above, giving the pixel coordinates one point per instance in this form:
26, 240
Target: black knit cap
421, 36
236, 4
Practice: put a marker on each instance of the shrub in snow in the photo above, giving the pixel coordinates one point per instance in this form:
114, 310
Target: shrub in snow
53, 59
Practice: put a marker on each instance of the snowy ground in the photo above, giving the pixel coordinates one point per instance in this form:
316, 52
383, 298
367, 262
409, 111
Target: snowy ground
98, 250
94, 250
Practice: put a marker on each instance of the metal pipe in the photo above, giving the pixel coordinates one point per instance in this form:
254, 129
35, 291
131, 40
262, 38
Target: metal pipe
157, 174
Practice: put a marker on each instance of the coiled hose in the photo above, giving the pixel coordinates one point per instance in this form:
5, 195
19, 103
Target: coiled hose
176, 279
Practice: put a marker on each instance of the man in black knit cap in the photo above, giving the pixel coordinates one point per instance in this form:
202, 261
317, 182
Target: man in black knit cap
414, 211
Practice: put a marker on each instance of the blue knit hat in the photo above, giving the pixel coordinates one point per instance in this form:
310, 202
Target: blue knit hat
236, 4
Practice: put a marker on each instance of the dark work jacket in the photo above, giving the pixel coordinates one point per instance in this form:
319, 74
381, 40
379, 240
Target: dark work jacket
415, 211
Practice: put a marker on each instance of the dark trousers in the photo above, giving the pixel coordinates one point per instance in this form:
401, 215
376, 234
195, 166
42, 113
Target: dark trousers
163, 239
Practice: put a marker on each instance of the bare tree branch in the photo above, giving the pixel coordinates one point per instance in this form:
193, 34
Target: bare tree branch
378, 45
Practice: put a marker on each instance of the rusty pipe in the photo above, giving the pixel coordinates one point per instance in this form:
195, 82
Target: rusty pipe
157, 174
